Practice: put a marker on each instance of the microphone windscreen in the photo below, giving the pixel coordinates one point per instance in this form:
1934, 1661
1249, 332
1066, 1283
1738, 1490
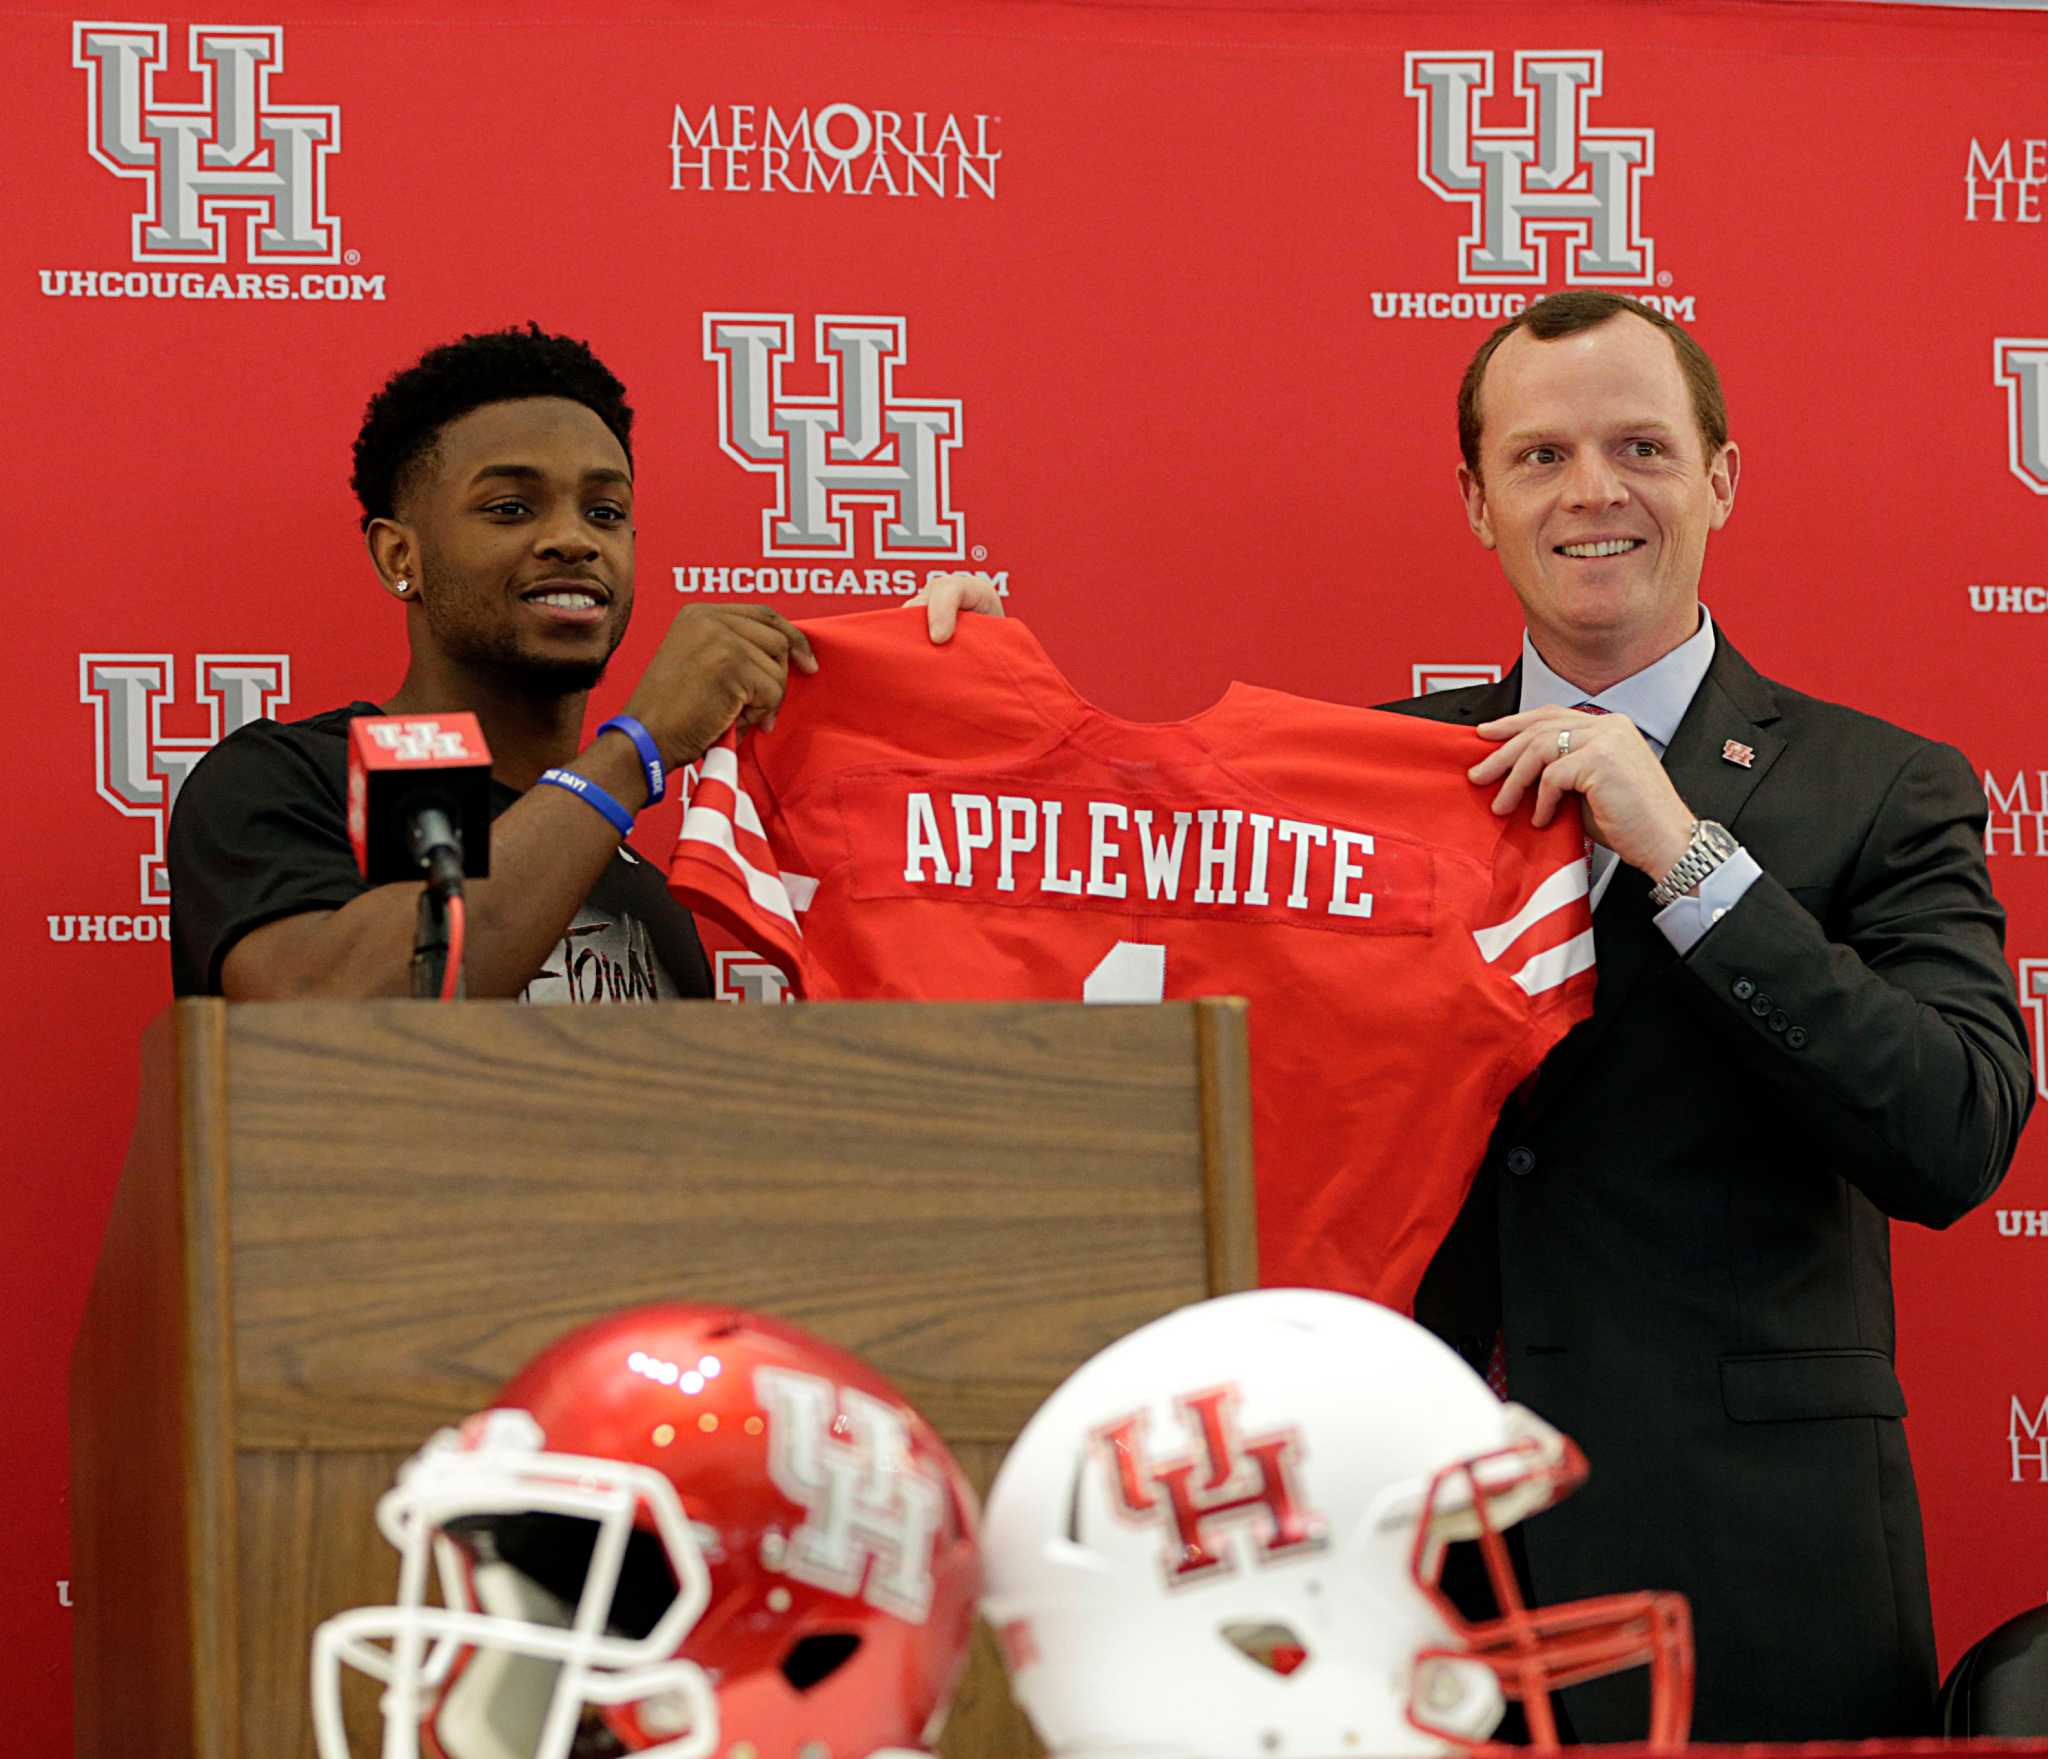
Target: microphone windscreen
401, 765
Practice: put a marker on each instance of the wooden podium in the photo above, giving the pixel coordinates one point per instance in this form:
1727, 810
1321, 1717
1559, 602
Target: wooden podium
343, 1225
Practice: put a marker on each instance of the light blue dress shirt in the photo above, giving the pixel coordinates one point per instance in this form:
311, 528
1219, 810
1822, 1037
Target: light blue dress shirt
1656, 699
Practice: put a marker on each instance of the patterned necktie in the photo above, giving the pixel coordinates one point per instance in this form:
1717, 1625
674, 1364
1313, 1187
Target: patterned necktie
1497, 1366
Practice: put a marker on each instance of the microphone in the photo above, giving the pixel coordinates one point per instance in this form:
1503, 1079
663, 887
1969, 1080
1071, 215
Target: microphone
419, 798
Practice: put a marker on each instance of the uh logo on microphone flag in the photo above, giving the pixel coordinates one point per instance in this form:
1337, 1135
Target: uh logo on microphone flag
400, 767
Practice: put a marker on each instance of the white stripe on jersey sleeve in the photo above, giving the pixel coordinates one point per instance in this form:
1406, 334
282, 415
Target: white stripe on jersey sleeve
801, 887
722, 764
1566, 886
704, 824
1549, 969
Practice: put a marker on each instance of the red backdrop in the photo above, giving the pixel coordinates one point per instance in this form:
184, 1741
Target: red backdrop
1161, 310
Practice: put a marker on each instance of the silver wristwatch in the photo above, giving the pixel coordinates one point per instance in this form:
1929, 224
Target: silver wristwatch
1710, 846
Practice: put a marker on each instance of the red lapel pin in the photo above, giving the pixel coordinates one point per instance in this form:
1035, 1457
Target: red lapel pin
1734, 751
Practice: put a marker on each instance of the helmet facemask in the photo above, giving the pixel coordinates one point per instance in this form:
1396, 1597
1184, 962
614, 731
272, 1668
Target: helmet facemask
567, 1586
1533, 1652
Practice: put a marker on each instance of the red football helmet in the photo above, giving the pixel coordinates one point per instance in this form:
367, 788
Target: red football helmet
682, 1530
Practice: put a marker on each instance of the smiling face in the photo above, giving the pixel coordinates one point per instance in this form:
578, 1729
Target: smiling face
1597, 495
518, 531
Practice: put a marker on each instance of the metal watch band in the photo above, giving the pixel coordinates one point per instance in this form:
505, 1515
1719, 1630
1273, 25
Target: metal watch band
1701, 857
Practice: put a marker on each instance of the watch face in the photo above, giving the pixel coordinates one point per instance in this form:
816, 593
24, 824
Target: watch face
1717, 838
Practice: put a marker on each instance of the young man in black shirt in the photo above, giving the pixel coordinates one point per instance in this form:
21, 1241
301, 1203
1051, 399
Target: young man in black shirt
496, 481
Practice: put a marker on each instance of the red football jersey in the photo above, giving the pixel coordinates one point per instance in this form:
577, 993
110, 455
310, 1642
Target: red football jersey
954, 822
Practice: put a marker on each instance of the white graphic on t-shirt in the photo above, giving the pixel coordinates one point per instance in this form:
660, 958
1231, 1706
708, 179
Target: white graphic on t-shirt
604, 957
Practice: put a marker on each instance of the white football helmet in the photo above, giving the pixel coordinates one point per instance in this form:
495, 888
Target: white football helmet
1222, 1538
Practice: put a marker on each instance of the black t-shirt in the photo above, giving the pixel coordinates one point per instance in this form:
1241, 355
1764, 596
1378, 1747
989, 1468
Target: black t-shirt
261, 831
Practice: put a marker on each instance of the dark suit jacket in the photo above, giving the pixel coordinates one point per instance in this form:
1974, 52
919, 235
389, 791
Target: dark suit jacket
1682, 1223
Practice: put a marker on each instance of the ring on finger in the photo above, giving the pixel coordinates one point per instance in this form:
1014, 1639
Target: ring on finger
1564, 743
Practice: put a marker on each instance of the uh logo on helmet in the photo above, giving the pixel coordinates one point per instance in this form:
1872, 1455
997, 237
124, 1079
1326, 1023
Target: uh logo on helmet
1271, 1584
682, 1531
1228, 1479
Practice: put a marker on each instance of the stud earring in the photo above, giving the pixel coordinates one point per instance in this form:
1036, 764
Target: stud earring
401, 587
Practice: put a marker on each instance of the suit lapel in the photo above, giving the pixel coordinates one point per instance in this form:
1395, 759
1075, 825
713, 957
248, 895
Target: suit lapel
1732, 703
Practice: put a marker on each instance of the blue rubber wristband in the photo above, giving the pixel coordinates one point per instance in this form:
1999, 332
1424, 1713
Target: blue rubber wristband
650, 753
592, 796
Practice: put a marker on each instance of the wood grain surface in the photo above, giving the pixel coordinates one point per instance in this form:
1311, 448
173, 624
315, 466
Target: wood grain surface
975, 1198
154, 1655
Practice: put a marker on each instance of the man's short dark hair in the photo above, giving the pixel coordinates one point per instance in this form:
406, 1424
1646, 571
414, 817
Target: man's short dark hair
1583, 308
499, 366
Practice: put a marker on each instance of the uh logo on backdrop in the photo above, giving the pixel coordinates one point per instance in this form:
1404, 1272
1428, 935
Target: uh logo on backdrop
2016, 793
1552, 196
140, 763
236, 146
225, 170
854, 459
853, 456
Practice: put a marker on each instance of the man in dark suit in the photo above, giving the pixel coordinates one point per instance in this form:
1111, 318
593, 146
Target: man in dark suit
1678, 1247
